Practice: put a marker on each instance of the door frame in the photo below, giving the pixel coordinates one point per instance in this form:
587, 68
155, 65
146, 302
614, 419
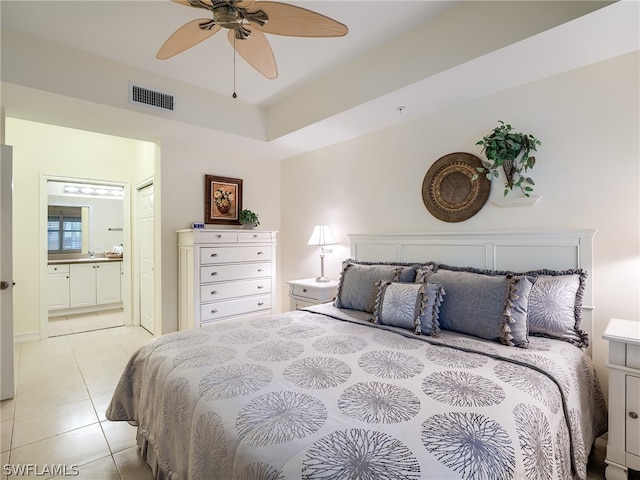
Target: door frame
126, 237
7, 367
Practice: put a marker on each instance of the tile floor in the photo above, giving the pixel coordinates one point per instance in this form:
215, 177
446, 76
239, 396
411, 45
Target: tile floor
64, 385
57, 417
85, 322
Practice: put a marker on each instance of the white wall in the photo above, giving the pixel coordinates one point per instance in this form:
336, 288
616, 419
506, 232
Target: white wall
587, 175
185, 162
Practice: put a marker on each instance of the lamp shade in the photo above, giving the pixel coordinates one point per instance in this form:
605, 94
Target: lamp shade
321, 236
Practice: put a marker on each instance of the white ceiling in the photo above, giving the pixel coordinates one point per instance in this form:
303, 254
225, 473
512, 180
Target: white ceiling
421, 54
131, 32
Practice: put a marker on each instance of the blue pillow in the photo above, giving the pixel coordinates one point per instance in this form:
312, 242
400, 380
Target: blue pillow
412, 306
486, 304
357, 288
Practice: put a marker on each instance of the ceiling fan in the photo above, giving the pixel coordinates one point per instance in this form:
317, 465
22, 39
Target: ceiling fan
247, 22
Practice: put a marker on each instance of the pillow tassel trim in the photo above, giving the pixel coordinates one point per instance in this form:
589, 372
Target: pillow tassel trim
421, 310
435, 313
505, 335
379, 295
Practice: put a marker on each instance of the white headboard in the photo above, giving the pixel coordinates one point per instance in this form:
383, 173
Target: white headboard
515, 251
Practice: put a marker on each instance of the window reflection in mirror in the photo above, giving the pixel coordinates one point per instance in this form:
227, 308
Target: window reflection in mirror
67, 229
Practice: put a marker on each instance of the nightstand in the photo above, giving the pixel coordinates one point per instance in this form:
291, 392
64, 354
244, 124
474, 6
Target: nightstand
307, 292
623, 448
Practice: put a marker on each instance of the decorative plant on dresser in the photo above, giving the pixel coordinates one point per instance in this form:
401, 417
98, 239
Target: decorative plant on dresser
248, 219
511, 152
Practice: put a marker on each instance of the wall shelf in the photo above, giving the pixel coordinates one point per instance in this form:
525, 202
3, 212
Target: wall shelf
516, 201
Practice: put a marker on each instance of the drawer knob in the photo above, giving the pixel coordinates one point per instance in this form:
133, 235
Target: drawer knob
260, 286
214, 273
214, 311
259, 253
260, 270
214, 292
260, 304
255, 235
304, 290
633, 415
214, 254
219, 236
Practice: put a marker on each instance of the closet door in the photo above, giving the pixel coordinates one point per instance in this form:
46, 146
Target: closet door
146, 257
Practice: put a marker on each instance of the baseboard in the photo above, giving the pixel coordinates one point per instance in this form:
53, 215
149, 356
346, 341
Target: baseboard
32, 336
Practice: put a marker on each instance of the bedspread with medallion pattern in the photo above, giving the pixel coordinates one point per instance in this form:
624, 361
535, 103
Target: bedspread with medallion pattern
308, 395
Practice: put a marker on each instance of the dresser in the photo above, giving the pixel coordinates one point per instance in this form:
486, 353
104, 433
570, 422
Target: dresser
623, 447
224, 274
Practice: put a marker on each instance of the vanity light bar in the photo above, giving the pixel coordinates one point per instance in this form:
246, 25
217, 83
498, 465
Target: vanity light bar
97, 190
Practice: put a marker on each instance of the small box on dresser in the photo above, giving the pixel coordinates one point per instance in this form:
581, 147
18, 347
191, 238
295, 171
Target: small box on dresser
224, 274
307, 292
623, 447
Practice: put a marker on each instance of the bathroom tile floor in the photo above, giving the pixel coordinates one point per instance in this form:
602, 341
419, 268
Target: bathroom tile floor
85, 322
64, 385
57, 418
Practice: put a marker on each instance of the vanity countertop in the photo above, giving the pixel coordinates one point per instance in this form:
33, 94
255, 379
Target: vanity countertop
84, 259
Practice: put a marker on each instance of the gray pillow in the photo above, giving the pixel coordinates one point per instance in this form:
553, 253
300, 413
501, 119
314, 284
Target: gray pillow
413, 306
485, 304
357, 287
555, 305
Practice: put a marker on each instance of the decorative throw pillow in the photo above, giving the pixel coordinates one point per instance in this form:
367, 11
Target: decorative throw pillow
555, 305
357, 287
486, 304
412, 306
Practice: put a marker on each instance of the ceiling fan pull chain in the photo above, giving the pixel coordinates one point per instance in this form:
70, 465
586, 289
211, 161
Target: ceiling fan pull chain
235, 95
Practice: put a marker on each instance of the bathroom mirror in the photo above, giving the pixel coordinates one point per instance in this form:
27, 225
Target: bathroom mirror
93, 214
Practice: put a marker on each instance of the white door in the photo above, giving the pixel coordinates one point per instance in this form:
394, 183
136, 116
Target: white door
6, 275
146, 258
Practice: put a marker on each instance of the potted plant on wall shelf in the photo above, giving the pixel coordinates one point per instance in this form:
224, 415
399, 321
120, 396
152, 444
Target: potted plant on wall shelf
511, 152
248, 219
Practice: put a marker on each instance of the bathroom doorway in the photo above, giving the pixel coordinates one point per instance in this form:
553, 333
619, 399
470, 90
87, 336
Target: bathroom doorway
86, 233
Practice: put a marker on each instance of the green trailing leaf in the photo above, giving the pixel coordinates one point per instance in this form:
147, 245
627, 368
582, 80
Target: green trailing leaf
503, 144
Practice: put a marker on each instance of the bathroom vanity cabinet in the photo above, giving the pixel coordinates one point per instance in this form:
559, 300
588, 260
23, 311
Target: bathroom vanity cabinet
84, 285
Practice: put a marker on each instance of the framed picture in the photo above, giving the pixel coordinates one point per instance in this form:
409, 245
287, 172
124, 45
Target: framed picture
223, 200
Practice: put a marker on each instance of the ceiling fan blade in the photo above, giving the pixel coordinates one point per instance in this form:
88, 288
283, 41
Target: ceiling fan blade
285, 19
209, 3
244, 3
185, 37
257, 52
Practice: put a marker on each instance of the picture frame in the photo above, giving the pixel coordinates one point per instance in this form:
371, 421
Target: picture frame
223, 200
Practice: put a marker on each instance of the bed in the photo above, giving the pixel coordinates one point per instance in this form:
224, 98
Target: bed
443, 356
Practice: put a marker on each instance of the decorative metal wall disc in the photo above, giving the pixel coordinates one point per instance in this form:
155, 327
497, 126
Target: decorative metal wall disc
448, 190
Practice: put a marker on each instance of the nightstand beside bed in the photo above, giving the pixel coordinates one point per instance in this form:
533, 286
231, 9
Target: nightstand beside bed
623, 448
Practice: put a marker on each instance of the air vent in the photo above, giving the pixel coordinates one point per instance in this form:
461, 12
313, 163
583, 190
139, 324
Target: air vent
151, 98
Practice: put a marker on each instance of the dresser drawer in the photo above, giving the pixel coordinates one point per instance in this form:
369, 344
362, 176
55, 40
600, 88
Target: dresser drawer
218, 236
228, 308
224, 291
254, 237
224, 273
209, 255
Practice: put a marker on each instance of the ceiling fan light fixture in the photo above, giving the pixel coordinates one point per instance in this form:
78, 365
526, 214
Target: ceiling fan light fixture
227, 16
